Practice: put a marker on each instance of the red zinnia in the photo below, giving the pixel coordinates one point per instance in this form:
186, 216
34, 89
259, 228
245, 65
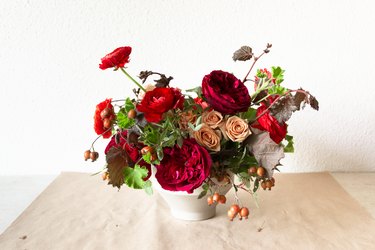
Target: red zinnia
117, 58
98, 120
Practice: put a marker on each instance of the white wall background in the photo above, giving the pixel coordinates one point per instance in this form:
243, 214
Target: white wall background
50, 81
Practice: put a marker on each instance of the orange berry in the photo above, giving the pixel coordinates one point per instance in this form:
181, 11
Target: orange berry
216, 197
244, 212
94, 156
105, 113
222, 199
107, 123
231, 215
252, 170
261, 171
87, 155
153, 157
147, 149
132, 114
210, 200
273, 181
263, 185
269, 184
235, 209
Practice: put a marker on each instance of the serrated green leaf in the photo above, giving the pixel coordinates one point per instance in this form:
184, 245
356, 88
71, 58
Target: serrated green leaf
134, 176
123, 121
277, 90
128, 105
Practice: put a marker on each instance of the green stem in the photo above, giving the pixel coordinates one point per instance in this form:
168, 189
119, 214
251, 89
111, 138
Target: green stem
131, 78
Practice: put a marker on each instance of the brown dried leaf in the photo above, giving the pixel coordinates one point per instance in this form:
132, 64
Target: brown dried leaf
284, 108
299, 97
243, 54
265, 150
313, 102
117, 160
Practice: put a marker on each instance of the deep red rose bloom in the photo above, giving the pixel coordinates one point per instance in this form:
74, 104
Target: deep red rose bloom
158, 101
225, 93
130, 149
117, 58
269, 123
98, 121
185, 168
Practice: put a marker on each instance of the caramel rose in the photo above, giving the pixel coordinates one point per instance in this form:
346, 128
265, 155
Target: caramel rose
185, 118
237, 129
208, 138
212, 118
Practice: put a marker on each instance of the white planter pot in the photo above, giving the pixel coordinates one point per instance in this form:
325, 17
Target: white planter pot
186, 206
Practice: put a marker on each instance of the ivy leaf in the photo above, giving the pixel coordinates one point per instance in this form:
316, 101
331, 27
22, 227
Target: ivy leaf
134, 177
289, 148
265, 150
117, 160
243, 54
283, 109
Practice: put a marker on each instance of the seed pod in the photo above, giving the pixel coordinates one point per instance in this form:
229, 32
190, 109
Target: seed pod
105, 113
231, 215
153, 157
244, 212
107, 123
132, 114
86, 155
252, 170
94, 156
222, 199
261, 171
263, 185
235, 209
216, 197
147, 149
269, 184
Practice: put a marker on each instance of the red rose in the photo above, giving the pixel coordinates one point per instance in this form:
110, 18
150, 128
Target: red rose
158, 101
269, 123
130, 149
225, 93
185, 168
117, 58
99, 127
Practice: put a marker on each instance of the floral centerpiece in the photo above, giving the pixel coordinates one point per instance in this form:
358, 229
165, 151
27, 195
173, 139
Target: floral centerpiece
219, 129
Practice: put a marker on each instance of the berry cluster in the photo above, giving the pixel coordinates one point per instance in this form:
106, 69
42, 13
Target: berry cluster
260, 172
108, 117
235, 210
216, 198
93, 155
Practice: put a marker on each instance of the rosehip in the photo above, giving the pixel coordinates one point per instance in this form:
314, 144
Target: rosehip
210, 200
216, 197
269, 184
261, 171
231, 215
153, 157
105, 113
244, 212
273, 181
222, 199
252, 170
235, 209
263, 185
94, 156
147, 149
132, 114
107, 123
87, 155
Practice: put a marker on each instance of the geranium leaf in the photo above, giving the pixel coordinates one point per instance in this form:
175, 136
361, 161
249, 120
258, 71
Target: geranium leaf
265, 150
134, 177
117, 161
243, 54
283, 109
123, 121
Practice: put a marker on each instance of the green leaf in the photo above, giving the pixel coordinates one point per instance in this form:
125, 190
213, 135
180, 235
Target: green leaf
256, 185
289, 148
134, 176
123, 121
128, 105
249, 115
202, 194
277, 90
278, 74
197, 90
160, 153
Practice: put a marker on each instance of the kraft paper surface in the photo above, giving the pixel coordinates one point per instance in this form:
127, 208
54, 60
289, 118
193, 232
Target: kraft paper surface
79, 211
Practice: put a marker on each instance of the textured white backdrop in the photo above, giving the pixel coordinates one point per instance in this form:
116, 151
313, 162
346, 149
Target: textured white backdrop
50, 81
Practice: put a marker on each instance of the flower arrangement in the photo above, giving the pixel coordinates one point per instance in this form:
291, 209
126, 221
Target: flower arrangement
215, 130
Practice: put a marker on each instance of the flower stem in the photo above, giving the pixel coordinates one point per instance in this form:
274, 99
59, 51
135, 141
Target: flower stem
131, 78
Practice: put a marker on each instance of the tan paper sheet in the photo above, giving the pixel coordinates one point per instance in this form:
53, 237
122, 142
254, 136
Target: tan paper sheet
304, 211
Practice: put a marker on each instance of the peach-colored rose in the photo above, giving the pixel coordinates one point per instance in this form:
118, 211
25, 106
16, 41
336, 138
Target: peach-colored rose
185, 118
212, 119
208, 138
237, 129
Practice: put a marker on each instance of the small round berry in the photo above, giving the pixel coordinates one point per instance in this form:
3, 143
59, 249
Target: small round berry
244, 212
107, 123
235, 209
231, 215
153, 157
269, 184
86, 155
252, 170
132, 114
105, 113
210, 200
216, 197
273, 181
222, 199
261, 171
147, 149
94, 156
263, 185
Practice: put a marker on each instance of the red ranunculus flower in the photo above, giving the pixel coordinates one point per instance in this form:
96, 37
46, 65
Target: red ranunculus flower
225, 93
158, 101
130, 149
185, 168
269, 123
200, 102
117, 58
98, 120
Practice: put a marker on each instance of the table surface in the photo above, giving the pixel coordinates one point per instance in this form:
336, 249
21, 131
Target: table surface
360, 186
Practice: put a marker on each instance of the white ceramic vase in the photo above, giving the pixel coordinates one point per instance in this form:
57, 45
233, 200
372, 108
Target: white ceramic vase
187, 206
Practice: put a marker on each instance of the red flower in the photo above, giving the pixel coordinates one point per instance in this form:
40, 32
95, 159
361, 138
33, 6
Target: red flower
158, 101
269, 123
117, 58
185, 168
225, 93
130, 149
98, 120
200, 102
